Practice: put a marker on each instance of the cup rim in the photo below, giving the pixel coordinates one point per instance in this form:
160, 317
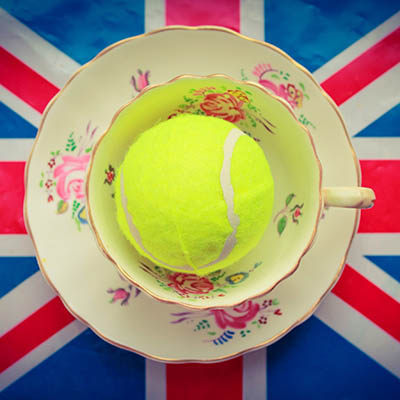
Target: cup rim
121, 270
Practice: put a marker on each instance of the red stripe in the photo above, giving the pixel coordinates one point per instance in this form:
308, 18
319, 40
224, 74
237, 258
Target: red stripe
24, 82
383, 176
364, 69
369, 300
201, 381
12, 197
33, 331
224, 13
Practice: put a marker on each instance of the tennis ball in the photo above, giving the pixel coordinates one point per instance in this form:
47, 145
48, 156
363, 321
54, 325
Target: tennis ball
194, 194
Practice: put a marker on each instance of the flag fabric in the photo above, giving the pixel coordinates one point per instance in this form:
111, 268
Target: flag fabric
350, 348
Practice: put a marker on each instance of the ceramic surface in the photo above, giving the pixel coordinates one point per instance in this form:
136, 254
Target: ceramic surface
294, 164
56, 217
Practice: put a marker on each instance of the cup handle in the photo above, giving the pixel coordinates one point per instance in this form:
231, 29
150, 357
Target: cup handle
348, 197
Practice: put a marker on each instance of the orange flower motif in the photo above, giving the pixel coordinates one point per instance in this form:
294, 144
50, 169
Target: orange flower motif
239, 94
223, 105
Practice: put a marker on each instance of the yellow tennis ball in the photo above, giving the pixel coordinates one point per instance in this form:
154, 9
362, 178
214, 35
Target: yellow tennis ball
194, 194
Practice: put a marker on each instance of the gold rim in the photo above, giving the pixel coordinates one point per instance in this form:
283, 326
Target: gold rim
186, 28
121, 269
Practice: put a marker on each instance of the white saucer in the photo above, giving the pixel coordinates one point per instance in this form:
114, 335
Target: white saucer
67, 252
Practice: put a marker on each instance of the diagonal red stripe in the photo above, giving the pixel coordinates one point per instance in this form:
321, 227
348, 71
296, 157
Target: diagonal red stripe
224, 13
369, 300
205, 381
33, 331
383, 176
12, 197
24, 82
364, 69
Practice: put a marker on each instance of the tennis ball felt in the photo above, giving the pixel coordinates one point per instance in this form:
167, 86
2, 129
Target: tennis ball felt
194, 194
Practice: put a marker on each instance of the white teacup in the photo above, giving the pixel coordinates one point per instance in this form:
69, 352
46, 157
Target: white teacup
298, 203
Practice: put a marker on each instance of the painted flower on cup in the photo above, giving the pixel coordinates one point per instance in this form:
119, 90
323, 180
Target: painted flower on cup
141, 81
282, 217
110, 175
70, 176
233, 105
190, 283
236, 317
223, 105
239, 94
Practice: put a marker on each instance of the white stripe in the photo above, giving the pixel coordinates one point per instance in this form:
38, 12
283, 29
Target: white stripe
377, 243
364, 245
377, 148
15, 149
16, 246
40, 353
372, 102
34, 51
252, 18
24, 300
154, 14
373, 273
156, 385
357, 48
361, 332
255, 375
23, 109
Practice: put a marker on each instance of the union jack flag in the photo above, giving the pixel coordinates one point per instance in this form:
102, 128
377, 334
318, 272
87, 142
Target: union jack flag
349, 349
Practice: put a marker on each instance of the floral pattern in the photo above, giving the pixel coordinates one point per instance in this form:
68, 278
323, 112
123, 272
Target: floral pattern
219, 326
63, 180
110, 175
123, 294
289, 212
237, 317
141, 81
190, 283
233, 105
194, 287
281, 84
223, 105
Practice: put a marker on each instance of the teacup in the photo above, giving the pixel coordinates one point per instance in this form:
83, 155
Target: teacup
299, 198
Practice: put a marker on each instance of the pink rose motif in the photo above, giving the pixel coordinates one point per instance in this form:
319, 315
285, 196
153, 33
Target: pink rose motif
119, 294
142, 80
70, 176
223, 105
238, 316
190, 283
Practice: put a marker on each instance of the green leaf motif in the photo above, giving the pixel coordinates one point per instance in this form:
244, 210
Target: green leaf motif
275, 302
289, 198
302, 86
41, 184
275, 76
282, 224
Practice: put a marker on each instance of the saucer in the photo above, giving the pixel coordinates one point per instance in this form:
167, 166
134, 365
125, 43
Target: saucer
66, 249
